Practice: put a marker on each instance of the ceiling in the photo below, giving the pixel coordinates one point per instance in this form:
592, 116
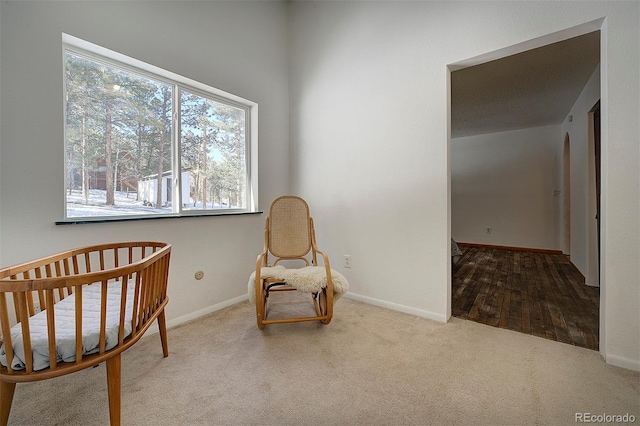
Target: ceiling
534, 88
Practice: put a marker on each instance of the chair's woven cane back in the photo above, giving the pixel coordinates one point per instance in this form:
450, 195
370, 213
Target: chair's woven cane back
290, 228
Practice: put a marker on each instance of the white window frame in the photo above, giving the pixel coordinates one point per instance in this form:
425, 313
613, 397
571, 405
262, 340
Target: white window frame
180, 83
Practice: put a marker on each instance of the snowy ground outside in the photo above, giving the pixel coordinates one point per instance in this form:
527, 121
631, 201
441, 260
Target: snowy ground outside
125, 204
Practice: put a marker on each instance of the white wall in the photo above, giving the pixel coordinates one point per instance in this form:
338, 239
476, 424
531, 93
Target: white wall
584, 244
506, 181
369, 134
238, 47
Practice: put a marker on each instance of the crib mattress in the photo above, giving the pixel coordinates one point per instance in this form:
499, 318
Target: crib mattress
64, 313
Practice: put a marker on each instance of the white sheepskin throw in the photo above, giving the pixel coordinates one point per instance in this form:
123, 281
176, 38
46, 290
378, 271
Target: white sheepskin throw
309, 279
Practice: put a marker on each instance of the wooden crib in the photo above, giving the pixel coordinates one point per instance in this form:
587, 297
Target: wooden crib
109, 294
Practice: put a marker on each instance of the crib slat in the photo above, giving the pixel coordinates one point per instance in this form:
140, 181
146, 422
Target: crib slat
26, 335
78, 293
6, 331
41, 301
67, 271
31, 307
74, 262
123, 307
58, 274
16, 306
153, 287
156, 285
103, 316
155, 282
153, 273
51, 329
87, 262
136, 301
165, 275
142, 306
26, 275
149, 275
47, 270
144, 296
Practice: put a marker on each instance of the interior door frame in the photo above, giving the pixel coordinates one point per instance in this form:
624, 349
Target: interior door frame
596, 25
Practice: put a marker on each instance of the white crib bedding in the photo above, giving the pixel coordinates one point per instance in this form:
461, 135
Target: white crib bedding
65, 327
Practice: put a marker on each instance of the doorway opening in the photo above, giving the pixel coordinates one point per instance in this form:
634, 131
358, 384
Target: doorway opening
507, 278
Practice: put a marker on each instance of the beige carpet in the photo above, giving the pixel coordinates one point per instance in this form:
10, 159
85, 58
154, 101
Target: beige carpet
370, 366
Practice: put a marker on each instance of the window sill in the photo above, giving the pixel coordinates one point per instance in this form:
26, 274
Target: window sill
85, 220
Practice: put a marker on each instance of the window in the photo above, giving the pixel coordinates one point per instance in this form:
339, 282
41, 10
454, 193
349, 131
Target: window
141, 141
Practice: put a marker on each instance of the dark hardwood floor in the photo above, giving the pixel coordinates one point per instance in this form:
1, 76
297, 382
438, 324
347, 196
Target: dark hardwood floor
536, 293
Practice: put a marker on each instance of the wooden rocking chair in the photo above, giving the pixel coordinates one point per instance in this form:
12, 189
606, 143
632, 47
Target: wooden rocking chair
290, 235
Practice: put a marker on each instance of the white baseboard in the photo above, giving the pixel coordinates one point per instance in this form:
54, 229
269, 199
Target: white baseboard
365, 299
397, 307
197, 314
618, 361
206, 311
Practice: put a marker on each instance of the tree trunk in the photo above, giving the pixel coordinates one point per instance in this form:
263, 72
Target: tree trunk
115, 172
138, 160
85, 160
163, 132
109, 161
70, 180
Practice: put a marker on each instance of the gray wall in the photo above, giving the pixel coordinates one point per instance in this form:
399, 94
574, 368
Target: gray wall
238, 47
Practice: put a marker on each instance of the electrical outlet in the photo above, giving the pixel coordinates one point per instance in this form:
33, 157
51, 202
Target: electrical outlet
36, 308
347, 261
488, 230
